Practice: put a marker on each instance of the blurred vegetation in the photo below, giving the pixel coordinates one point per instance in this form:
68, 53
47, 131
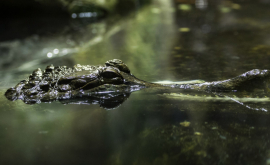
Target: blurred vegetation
36, 8
148, 35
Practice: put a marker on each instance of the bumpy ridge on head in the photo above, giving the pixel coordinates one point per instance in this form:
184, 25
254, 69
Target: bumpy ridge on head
44, 85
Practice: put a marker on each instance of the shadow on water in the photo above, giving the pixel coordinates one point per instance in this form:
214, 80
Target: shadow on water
183, 40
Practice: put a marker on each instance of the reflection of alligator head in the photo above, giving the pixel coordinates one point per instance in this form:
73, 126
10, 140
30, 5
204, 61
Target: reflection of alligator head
108, 85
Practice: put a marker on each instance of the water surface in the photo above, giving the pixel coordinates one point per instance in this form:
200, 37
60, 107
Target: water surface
162, 41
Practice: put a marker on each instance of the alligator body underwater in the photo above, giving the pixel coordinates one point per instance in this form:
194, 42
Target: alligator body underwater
109, 85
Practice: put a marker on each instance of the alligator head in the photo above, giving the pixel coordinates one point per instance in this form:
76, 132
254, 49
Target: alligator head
111, 84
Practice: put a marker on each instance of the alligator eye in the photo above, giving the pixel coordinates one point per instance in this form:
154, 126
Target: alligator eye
110, 73
107, 74
118, 64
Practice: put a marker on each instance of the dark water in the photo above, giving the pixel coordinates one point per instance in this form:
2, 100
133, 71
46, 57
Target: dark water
178, 41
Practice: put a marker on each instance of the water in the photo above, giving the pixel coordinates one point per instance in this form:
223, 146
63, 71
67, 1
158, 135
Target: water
161, 41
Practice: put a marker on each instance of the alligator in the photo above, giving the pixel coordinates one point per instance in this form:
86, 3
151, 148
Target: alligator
111, 84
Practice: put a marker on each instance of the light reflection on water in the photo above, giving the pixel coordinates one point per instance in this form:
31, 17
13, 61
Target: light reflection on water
210, 44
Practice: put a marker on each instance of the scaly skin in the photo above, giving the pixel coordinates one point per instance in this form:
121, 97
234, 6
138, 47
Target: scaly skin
95, 82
